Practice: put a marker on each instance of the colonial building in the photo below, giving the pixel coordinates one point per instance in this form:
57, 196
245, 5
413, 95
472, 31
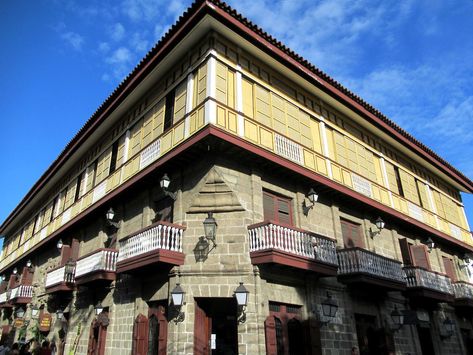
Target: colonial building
225, 165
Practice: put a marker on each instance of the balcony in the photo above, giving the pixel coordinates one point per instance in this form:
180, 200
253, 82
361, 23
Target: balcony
98, 265
21, 294
426, 284
4, 298
159, 243
463, 293
271, 243
58, 280
360, 266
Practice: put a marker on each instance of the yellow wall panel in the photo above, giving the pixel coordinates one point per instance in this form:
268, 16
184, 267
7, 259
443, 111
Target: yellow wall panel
251, 131
103, 166
232, 122
266, 138
135, 139
309, 159
347, 178
391, 177
221, 116
262, 106
322, 166
385, 197
247, 88
221, 85
179, 133
231, 90
376, 192
148, 128
316, 138
166, 142
337, 173
200, 84
180, 101
158, 119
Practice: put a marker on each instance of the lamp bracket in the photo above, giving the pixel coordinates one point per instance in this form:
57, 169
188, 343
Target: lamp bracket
170, 194
374, 233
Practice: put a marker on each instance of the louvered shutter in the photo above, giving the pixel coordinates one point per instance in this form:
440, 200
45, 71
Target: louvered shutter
140, 335
284, 212
163, 331
449, 268
352, 236
420, 256
270, 335
269, 207
405, 252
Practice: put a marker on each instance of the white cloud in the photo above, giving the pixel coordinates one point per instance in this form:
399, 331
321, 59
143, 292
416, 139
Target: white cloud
104, 47
73, 39
121, 55
117, 32
139, 43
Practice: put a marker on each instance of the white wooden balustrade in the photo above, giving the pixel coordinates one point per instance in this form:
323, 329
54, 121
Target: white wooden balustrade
357, 260
3, 297
101, 260
269, 235
57, 276
164, 236
463, 290
418, 277
21, 291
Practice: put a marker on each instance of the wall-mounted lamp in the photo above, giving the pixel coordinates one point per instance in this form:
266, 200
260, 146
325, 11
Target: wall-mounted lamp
98, 308
59, 244
20, 312
59, 313
447, 328
177, 295
69, 270
397, 319
467, 260
210, 228
34, 311
29, 264
380, 225
3, 277
241, 295
109, 216
430, 244
164, 183
329, 309
313, 197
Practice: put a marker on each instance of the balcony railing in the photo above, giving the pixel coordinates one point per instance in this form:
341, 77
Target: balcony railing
21, 291
268, 235
3, 297
159, 236
59, 276
417, 277
100, 260
463, 290
361, 261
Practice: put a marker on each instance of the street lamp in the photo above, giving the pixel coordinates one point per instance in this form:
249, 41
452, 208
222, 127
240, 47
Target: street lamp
313, 197
379, 223
59, 244
430, 244
164, 183
34, 311
98, 308
241, 295
20, 312
210, 228
329, 308
397, 318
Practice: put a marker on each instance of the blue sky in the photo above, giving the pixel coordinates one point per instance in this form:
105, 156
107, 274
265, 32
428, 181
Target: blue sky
411, 59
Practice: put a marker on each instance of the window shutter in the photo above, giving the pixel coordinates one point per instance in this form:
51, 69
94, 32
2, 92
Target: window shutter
352, 236
270, 334
284, 212
93, 338
202, 327
163, 331
140, 335
269, 207
420, 256
449, 268
405, 252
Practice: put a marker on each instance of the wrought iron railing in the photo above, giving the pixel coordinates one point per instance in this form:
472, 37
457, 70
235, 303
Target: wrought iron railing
100, 260
358, 260
269, 235
419, 277
161, 235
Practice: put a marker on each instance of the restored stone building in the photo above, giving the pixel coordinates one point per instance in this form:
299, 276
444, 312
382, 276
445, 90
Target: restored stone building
317, 200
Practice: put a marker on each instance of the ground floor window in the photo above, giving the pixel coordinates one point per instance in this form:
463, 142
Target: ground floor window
150, 333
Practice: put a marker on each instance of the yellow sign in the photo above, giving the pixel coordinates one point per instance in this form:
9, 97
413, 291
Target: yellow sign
45, 322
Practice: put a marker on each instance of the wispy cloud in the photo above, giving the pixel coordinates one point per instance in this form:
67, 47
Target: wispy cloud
117, 32
73, 39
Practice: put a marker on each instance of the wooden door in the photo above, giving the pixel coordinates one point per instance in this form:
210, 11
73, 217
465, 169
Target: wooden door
158, 331
202, 331
98, 336
140, 335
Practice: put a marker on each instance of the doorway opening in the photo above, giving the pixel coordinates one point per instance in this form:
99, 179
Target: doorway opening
215, 326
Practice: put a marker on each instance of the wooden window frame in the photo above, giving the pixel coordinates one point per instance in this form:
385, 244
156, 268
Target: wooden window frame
361, 238
275, 214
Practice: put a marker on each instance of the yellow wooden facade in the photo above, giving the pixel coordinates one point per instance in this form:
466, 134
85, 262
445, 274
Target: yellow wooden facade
256, 104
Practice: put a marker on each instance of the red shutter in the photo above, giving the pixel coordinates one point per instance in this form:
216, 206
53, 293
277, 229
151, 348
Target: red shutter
92, 346
140, 335
75, 249
270, 334
420, 256
352, 235
202, 327
269, 207
405, 251
449, 268
163, 331
65, 254
284, 211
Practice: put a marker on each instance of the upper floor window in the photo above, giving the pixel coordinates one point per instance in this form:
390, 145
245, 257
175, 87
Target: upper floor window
277, 208
352, 234
449, 268
415, 255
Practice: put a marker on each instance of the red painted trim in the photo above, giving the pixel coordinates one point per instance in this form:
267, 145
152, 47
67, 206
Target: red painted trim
60, 287
274, 256
217, 132
96, 275
315, 79
20, 300
149, 258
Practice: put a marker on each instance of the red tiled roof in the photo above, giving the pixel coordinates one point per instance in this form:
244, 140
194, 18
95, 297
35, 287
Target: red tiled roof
218, 9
